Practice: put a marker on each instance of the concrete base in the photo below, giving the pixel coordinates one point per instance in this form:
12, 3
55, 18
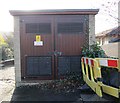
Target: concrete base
31, 82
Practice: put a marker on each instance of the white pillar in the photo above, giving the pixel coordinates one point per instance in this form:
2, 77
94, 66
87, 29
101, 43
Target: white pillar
91, 29
17, 50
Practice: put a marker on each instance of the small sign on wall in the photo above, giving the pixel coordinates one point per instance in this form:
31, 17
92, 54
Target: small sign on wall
38, 38
38, 41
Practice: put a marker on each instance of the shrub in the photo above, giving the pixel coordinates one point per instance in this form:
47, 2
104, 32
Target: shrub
7, 53
6, 47
93, 51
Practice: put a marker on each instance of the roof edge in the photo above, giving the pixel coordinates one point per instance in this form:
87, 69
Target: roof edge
54, 11
109, 32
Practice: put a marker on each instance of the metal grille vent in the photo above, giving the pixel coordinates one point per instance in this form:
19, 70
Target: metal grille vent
38, 66
70, 27
69, 64
38, 28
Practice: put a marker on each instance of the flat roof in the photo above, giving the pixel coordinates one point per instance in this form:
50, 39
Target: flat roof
54, 11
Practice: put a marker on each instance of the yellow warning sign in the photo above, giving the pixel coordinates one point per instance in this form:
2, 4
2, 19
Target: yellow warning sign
38, 38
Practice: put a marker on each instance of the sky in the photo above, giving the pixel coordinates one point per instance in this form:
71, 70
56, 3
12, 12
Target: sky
105, 19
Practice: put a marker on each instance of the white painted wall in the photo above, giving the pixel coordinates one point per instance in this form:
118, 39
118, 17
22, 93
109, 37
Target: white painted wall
112, 49
17, 51
92, 29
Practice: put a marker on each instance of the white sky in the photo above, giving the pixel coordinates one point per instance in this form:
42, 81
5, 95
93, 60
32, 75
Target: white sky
103, 20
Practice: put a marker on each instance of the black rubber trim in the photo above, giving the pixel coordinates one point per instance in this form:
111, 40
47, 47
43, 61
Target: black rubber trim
99, 79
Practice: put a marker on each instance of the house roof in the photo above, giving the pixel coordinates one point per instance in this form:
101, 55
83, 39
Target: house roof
54, 11
109, 32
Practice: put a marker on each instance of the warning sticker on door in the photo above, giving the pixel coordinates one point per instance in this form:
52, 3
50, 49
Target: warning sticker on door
38, 38
38, 43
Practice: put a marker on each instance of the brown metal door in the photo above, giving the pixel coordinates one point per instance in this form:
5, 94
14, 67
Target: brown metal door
62, 37
69, 38
37, 61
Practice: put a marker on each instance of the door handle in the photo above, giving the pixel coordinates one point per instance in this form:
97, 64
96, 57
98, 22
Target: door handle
50, 53
59, 53
56, 53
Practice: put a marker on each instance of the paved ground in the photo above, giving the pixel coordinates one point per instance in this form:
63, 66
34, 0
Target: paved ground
36, 94
7, 83
8, 92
